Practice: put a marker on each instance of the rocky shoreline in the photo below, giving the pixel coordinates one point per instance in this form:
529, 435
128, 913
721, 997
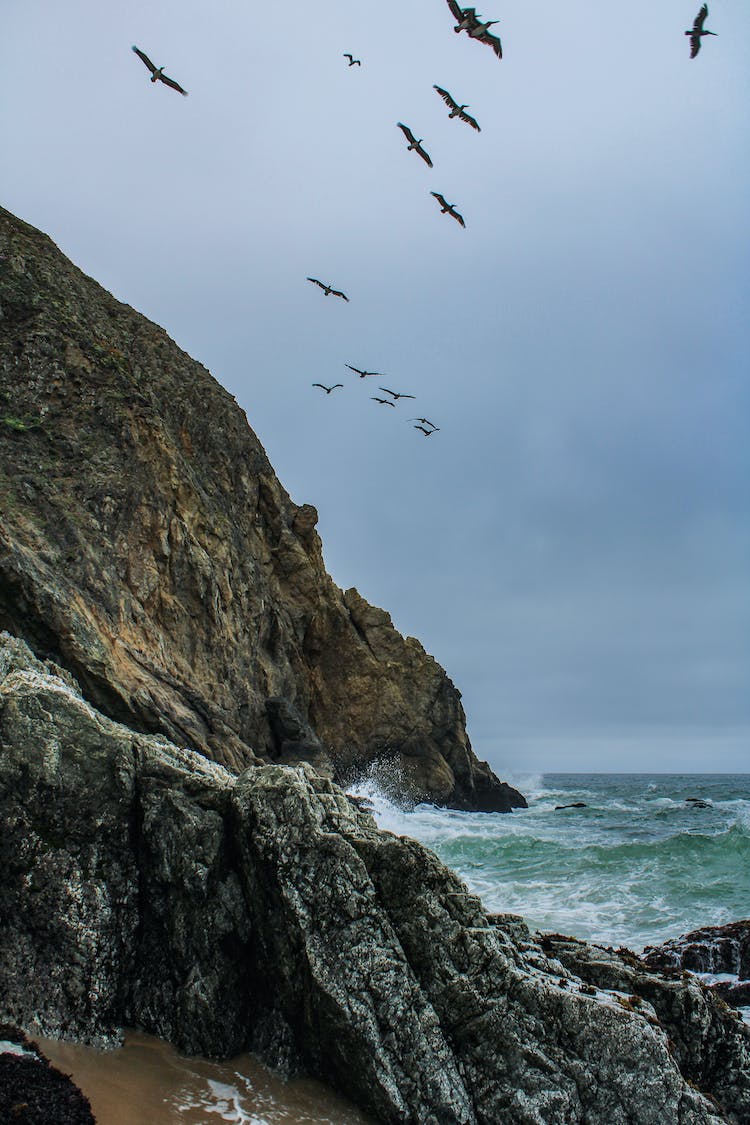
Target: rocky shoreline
32, 1091
146, 886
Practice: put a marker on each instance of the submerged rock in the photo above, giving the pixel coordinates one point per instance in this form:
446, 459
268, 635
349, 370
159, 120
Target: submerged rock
142, 885
575, 805
147, 545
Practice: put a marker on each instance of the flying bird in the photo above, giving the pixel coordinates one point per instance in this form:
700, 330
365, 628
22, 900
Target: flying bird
352, 60
414, 144
364, 374
328, 290
157, 73
697, 31
457, 110
482, 34
396, 394
382, 401
448, 208
425, 422
328, 390
427, 433
465, 17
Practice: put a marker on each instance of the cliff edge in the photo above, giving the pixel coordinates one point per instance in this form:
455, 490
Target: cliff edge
147, 546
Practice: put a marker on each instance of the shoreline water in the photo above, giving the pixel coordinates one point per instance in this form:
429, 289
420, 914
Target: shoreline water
147, 1082
637, 862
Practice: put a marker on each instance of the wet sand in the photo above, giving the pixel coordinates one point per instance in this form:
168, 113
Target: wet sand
147, 1082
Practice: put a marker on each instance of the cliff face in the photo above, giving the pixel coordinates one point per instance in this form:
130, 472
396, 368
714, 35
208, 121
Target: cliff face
147, 546
141, 884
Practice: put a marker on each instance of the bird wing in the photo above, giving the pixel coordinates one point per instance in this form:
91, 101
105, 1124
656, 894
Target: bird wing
338, 293
333, 388
469, 120
494, 42
321, 385
407, 132
455, 10
457, 217
405, 396
171, 82
355, 369
349, 57
440, 198
144, 58
315, 281
394, 393
425, 156
700, 19
446, 97
695, 45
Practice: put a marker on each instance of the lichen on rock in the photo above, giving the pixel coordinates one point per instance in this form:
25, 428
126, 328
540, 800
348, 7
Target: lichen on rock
143, 885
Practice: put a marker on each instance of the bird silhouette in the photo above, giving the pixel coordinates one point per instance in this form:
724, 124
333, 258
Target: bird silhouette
382, 401
364, 374
328, 390
396, 394
352, 60
425, 422
427, 433
328, 290
697, 31
414, 144
157, 72
448, 208
457, 110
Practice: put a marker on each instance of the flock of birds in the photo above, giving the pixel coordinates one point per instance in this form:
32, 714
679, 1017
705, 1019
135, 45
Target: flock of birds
477, 28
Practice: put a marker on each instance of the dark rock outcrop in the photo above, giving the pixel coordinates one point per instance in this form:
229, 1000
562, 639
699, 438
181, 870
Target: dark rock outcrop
145, 885
147, 546
32, 1091
707, 1040
712, 949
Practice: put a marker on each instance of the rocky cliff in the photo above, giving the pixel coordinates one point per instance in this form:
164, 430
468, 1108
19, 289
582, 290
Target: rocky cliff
141, 884
147, 546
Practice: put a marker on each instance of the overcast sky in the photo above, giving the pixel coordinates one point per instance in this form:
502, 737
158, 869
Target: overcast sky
574, 544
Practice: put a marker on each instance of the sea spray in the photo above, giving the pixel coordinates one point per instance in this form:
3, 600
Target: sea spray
637, 865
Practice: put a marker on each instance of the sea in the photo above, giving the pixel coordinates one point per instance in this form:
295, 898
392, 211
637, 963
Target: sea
645, 858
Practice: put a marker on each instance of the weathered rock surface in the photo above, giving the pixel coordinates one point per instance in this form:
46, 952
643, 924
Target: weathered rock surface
712, 949
145, 885
147, 546
707, 1040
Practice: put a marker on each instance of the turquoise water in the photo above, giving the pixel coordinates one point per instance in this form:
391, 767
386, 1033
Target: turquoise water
638, 865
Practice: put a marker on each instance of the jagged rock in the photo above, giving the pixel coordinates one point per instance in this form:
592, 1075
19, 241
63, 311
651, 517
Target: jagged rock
712, 949
141, 884
147, 546
707, 1040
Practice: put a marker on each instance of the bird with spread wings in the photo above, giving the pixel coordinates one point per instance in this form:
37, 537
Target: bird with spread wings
448, 208
457, 110
328, 290
414, 144
157, 72
467, 20
697, 31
